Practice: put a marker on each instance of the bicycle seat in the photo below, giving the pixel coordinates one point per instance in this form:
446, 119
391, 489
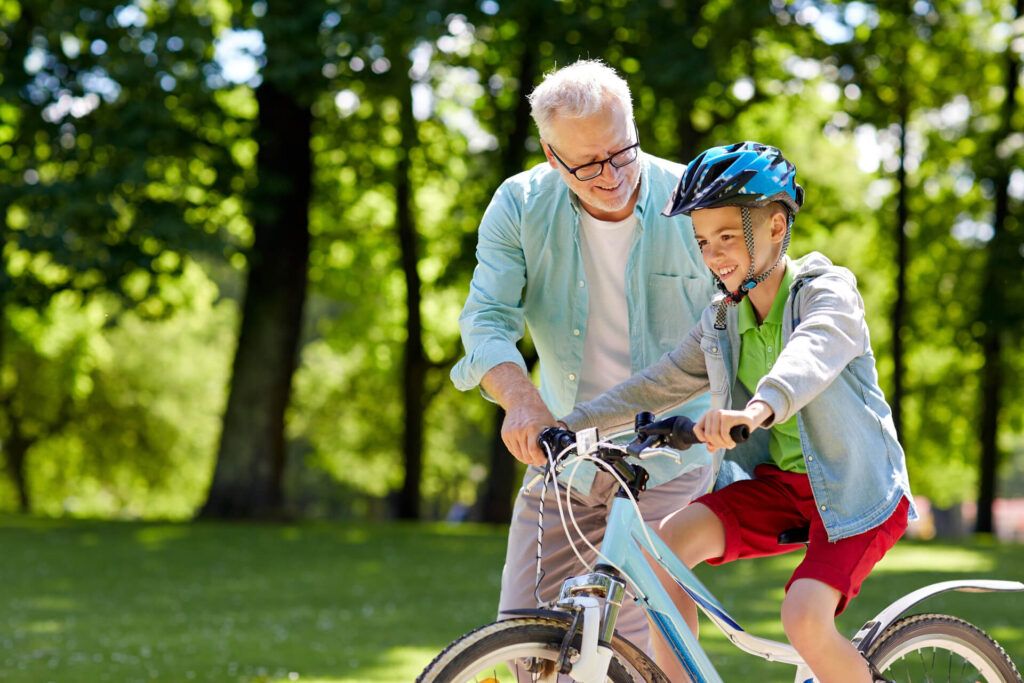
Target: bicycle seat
799, 534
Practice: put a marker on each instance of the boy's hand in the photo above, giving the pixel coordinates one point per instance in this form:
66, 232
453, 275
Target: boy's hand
713, 427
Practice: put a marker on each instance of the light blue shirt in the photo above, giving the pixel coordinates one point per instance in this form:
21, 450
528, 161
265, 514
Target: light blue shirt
530, 273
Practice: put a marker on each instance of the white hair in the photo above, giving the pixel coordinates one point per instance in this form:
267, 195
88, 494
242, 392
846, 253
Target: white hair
577, 91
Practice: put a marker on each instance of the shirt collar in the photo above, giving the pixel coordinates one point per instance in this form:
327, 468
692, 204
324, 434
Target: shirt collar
745, 318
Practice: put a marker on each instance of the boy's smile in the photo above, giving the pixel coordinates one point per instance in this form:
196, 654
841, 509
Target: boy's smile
719, 234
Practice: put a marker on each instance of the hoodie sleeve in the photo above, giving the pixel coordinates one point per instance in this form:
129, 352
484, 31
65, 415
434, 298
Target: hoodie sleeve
677, 377
831, 332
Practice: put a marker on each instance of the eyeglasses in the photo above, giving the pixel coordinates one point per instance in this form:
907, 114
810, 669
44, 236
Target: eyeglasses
592, 169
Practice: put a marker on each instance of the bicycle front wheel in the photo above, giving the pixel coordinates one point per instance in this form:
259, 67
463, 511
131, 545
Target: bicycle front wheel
527, 649
936, 647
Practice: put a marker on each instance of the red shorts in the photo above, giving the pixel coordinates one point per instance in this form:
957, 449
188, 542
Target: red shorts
755, 511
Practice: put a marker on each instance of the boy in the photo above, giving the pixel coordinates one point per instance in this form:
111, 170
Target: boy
785, 349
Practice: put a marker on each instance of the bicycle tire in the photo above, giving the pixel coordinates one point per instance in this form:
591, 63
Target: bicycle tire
526, 641
924, 647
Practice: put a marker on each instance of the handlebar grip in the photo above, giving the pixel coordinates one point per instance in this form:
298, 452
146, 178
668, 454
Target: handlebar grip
682, 436
557, 440
739, 433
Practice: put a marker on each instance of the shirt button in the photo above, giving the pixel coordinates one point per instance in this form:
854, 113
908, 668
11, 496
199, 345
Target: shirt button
576, 333
572, 377
582, 283
810, 458
769, 349
824, 507
714, 349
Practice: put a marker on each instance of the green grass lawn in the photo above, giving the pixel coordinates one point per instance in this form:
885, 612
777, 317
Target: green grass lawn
107, 601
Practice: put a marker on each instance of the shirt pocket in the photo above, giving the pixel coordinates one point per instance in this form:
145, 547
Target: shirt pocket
673, 308
715, 363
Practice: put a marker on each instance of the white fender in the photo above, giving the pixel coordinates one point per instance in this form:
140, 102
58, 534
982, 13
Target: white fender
873, 628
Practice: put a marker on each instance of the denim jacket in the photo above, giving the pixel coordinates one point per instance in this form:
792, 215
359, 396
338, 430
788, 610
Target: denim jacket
825, 375
530, 272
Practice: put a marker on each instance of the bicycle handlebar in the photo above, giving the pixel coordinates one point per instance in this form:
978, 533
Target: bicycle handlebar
675, 432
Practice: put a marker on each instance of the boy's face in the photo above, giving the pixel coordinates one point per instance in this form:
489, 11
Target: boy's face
719, 234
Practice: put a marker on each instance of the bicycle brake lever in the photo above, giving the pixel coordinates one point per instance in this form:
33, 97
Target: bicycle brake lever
638, 447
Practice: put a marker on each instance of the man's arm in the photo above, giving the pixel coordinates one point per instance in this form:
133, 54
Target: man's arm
525, 412
492, 320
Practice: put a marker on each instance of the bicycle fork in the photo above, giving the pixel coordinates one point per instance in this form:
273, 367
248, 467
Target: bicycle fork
584, 596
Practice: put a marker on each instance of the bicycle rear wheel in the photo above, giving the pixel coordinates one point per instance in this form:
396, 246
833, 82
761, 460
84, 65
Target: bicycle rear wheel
936, 647
527, 649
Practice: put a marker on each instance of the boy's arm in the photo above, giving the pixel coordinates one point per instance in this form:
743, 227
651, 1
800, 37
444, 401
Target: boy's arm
675, 378
831, 333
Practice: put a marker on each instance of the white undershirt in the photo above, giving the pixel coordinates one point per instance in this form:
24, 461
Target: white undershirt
605, 248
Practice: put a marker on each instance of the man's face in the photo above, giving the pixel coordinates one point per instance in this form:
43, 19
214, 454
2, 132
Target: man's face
612, 195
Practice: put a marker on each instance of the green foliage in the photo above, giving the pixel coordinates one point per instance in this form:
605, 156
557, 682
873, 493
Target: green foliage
132, 433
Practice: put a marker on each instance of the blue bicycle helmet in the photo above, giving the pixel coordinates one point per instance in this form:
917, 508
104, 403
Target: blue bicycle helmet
743, 174
740, 174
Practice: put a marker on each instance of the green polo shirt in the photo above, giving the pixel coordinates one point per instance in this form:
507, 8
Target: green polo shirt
759, 348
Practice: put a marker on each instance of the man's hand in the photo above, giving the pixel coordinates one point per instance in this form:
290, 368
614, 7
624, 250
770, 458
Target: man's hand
523, 423
713, 427
526, 416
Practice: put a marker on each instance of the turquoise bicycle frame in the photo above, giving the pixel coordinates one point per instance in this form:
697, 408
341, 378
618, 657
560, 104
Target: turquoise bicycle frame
624, 537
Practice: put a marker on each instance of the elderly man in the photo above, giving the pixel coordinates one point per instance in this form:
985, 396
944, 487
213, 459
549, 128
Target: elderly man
578, 250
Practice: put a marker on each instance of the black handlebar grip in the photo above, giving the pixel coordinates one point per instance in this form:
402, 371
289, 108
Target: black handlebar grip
682, 436
739, 433
556, 439
642, 419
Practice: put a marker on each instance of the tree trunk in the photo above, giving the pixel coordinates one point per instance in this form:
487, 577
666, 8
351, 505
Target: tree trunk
991, 388
247, 482
898, 320
15, 459
416, 364
1001, 275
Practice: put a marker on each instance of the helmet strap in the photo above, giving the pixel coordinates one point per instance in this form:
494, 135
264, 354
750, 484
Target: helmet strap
749, 282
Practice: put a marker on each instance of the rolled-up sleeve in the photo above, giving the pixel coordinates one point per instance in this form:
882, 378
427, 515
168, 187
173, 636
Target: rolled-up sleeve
492, 320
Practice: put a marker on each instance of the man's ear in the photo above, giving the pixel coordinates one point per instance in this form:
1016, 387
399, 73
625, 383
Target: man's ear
547, 152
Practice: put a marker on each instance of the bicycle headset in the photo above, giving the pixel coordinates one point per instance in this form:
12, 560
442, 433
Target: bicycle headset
743, 174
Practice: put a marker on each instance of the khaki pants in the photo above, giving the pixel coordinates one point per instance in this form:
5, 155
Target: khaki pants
559, 562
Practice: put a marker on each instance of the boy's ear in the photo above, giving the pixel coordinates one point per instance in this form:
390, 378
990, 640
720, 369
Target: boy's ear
780, 223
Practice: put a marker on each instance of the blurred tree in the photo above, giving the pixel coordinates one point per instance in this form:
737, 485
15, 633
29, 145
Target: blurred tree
1001, 309
901, 73
509, 63
889, 78
247, 481
102, 190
